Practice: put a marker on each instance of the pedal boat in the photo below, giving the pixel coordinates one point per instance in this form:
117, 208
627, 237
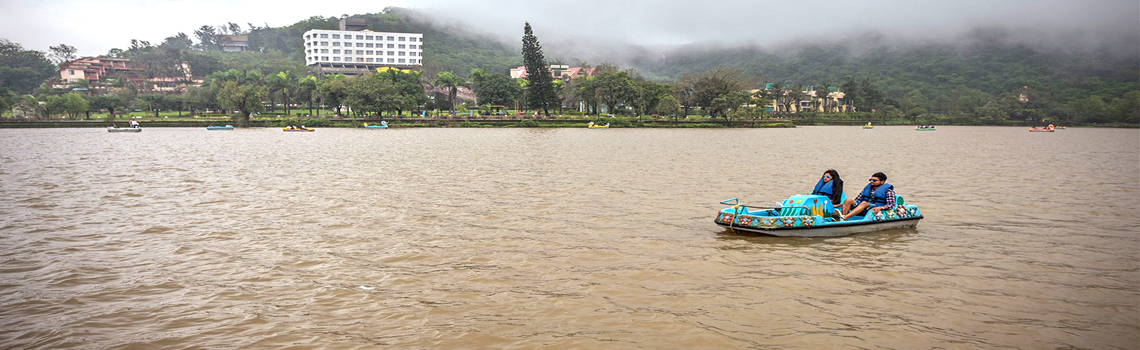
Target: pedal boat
595, 126
227, 127
383, 125
287, 129
925, 129
810, 216
114, 129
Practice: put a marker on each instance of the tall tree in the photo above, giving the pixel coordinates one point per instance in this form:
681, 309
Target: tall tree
540, 86
62, 53
207, 38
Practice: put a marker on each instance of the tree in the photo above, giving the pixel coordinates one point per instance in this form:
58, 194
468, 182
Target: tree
307, 90
207, 38
540, 88
451, 82
496, 89
245, 98
62, 53
333, 91
181, 41
281, 84
23, 70
667, 106
71, 104
717, 83
614, 89
721, 105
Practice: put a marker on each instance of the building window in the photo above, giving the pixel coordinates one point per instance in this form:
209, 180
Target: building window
324, 50
368, 37
391, 53
359, 52
413, 47
324, 43
336, 59
368, 59
71, 72
401, 60
412, 39
336, 36
368, 52
402, 38
324, 36
391, 38
391, 46
391, 60
336, 43
359, 44
359, 37
348, 44
411, 54
325, 58
358, 59
401, 53
402, 46
336, 51
368, 45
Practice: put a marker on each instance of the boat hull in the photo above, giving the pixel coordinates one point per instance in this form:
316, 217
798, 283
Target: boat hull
832, 230
124, 130
375, 127
219, 128
297, 130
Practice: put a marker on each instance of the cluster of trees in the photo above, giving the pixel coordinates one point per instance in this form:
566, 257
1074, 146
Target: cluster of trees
979, 80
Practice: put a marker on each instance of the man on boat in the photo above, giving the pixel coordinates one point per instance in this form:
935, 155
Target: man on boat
877, 195
134, 123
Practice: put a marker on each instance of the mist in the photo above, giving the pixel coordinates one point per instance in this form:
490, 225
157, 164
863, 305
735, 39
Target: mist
623, 32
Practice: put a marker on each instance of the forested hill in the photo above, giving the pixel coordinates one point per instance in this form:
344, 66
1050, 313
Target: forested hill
941, 73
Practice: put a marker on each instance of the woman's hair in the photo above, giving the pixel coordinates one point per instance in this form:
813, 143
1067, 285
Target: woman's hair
836, 182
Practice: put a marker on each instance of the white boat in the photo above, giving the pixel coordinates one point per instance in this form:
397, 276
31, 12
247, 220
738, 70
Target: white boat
118, 129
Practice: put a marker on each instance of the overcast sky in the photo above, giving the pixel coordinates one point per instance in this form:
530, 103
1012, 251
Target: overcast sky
94, 26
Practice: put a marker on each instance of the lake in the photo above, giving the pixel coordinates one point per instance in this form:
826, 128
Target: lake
452, 238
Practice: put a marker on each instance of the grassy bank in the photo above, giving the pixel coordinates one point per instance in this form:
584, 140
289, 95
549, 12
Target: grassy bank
405, 121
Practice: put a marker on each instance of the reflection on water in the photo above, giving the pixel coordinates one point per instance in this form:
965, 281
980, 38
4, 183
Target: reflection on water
560, 238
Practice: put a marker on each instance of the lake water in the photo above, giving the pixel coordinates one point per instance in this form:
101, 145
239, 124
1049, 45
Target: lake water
561, 239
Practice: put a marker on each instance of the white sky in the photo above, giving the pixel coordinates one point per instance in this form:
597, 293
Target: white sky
95, 26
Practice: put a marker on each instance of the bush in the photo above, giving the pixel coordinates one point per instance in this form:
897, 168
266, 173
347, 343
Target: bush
527, 123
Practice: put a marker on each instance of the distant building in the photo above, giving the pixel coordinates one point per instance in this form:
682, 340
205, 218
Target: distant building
92, 68
233, 43
559, 71
356, 50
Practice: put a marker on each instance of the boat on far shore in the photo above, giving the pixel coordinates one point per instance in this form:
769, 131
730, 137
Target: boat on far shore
383, 125
1049, 128
595, 126
296, 129
227, 127
118, 129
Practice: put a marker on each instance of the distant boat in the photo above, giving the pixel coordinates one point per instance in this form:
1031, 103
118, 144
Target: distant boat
118, 129
868, 126
925, 129
227, 127
1049, 128
594, 126
292, 129
383, 125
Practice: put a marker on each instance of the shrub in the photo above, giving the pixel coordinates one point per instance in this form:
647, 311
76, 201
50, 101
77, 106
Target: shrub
527, 123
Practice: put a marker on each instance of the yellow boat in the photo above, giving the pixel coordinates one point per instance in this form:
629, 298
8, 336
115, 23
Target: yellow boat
296, 129
868, 126
594, 126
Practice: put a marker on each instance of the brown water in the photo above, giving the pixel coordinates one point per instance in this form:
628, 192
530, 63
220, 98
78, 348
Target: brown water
560, 239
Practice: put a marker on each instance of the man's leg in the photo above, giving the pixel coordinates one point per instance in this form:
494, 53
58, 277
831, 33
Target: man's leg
858, 209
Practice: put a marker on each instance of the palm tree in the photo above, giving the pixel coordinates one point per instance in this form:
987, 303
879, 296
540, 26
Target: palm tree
307, 89
450, 81
279, 83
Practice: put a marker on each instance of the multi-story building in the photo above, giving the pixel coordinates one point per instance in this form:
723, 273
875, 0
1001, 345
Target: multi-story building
357, 51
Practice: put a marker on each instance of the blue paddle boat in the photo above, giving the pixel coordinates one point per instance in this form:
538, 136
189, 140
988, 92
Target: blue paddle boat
227, 127
383, 125
810, 216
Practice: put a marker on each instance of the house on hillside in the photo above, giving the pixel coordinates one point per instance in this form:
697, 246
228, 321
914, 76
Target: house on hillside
96, 70
233, 43
559, 71
827, 100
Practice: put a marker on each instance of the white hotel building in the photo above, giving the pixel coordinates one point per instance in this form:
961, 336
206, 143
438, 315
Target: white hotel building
349, 52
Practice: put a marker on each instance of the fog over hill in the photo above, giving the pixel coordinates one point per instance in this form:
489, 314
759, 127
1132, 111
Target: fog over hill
637, 32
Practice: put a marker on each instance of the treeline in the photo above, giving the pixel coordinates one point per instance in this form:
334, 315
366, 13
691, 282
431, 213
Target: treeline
978, 81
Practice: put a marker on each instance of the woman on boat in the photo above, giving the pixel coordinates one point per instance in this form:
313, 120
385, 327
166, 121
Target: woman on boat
830, 185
